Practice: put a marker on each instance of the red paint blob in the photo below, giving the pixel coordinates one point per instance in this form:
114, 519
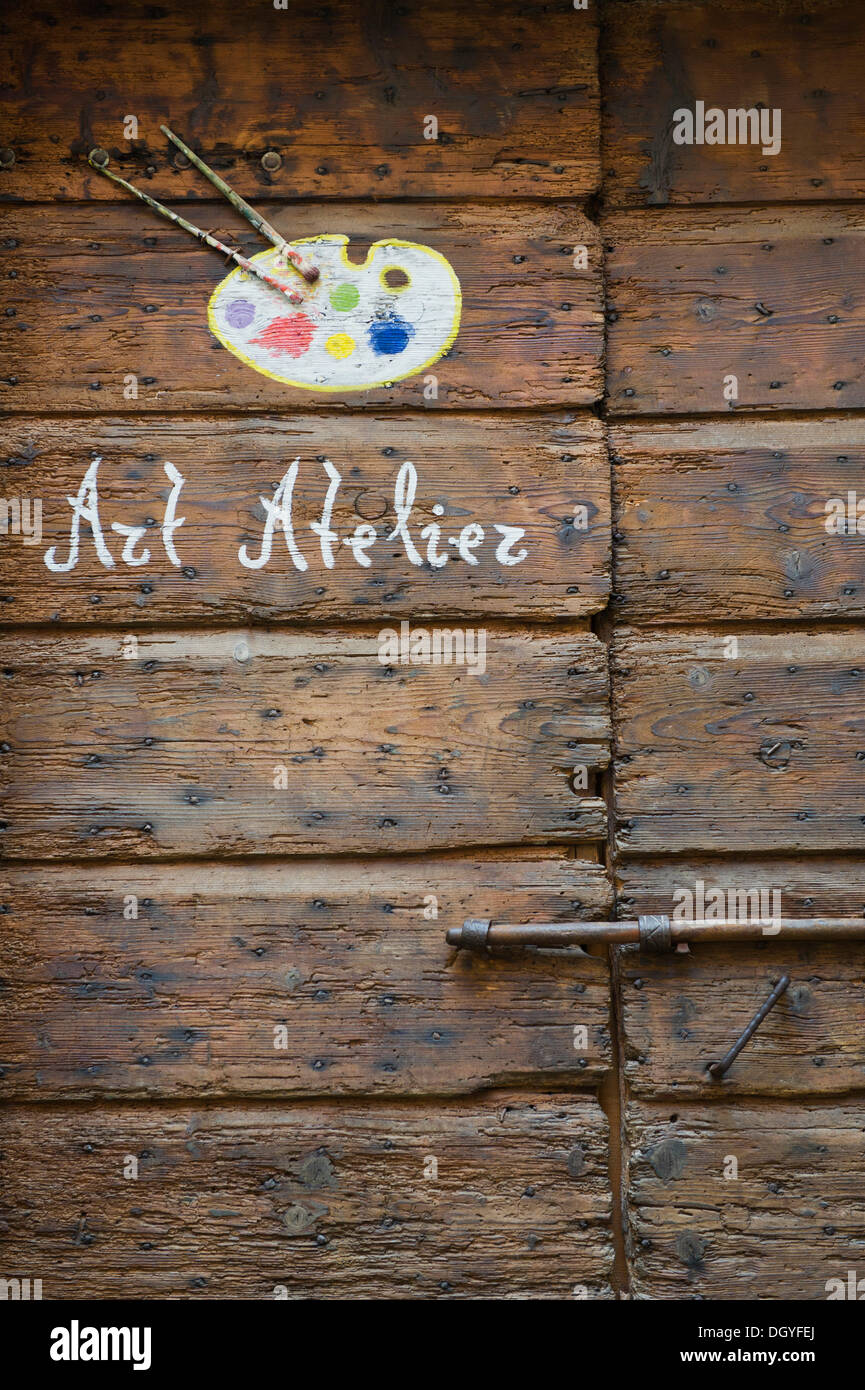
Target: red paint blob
292, 335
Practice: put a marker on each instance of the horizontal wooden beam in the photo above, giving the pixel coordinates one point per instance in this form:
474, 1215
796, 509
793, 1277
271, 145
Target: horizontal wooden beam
534, 489
105, 308
324, 1201
683, 1013
739, 741
739, 520
680, 1012
757, 302
774, 54
343, 101
256, 741
745, 1201
303, 978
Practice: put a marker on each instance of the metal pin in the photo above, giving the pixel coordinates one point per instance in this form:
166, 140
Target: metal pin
717, 1069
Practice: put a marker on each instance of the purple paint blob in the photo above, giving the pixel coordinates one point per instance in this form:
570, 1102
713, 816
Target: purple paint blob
240, 313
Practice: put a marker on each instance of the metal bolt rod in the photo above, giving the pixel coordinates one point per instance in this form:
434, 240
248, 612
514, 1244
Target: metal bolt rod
484, 935
717, 1069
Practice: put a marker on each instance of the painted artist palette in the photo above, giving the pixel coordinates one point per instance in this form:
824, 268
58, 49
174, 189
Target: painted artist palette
359, 326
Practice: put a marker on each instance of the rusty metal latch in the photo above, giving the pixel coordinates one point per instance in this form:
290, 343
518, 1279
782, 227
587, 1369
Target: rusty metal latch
655, 932
717, 1069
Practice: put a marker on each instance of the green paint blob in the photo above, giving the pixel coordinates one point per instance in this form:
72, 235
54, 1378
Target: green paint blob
344, 296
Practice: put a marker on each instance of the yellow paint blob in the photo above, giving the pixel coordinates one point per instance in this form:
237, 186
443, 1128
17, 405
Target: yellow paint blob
341, 345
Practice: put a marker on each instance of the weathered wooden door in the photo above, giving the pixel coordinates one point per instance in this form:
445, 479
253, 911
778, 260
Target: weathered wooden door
241, 1060
296, 676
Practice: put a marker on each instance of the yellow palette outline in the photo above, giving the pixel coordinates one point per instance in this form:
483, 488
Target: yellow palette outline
352, 265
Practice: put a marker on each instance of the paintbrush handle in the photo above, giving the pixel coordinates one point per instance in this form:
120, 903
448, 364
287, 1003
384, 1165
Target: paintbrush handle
209, 240
305, 268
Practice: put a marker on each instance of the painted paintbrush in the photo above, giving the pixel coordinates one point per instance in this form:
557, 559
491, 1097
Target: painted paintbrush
249, 266
304, 267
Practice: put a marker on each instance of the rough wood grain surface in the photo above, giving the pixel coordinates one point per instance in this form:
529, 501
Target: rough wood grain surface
503, 1197
545, 475
737, 520
772, 297
757, 752
683, 1012
100, 298
366, 1157
793, 1218
826, 885
261, 741
341, 93
186, 996
803, 61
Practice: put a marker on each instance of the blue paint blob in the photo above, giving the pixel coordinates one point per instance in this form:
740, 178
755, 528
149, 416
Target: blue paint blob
390, 335
240, 313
